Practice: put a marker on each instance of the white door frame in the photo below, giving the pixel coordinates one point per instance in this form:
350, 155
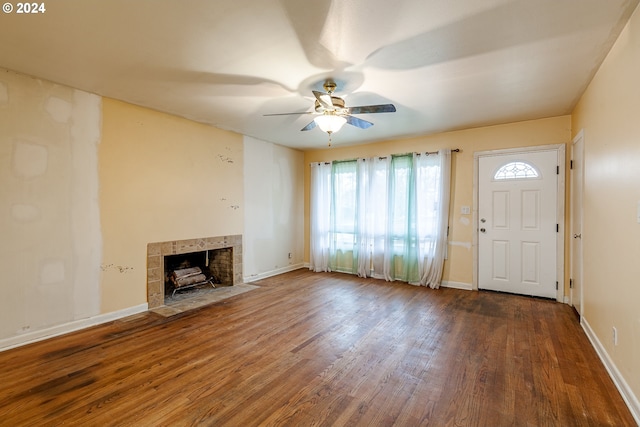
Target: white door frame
560, 235
574, 263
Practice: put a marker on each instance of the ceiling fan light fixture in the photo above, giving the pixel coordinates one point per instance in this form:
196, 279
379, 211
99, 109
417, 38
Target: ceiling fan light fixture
330, 123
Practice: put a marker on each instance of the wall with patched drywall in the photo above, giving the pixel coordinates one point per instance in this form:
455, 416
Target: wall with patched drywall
162, 178
86, 184
50, 245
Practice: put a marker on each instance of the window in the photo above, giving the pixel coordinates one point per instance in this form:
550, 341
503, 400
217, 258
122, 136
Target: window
516, 170
344, 204
383, 217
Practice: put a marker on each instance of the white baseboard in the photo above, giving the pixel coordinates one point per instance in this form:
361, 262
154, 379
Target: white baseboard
456, 285
288, 268
627, 394
75, 325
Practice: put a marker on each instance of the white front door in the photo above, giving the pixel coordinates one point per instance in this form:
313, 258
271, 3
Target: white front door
517, 222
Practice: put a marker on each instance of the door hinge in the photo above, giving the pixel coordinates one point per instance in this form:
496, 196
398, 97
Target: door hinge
571, 164
557, 228
557, 170
570, 283
556, 285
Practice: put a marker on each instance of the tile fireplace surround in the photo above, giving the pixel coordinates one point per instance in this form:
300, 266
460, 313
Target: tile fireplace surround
157, 251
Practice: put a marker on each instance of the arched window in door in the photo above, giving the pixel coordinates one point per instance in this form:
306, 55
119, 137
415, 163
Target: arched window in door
516, 170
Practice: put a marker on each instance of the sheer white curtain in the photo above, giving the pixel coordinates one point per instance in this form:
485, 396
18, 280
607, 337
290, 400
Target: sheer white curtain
373, 206
434, 182
382, 217
320, 201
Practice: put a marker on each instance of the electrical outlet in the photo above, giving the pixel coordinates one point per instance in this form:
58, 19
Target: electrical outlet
289, 255
615, 336
465, 210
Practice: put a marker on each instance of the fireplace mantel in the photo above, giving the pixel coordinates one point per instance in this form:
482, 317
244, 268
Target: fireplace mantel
157, 251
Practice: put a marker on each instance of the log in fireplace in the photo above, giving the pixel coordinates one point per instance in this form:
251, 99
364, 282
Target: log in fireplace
187, 271
187, 278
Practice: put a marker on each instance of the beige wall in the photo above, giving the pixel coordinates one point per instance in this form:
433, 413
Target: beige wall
609, 113
458, 267
273, 224
162, 178
49, 216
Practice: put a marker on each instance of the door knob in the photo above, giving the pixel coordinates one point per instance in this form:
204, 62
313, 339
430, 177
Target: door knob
483, 230
482, 220
577, 236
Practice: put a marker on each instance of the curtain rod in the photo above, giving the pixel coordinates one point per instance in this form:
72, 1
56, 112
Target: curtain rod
453, 150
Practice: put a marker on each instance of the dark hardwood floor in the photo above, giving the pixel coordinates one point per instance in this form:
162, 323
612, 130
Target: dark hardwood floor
310, 349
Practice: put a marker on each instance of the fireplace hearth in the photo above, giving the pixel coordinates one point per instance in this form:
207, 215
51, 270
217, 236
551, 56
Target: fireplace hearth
218, 258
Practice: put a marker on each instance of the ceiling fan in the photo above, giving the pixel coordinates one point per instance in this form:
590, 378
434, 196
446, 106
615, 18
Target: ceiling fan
331, 112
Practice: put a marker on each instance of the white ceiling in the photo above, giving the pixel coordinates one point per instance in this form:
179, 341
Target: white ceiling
445, 64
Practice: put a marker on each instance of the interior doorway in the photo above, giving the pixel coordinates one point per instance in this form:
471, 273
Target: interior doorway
577, 178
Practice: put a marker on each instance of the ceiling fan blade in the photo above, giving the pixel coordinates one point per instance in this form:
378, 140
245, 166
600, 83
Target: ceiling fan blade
368, 109
324, 99
289, 114
359, 123
309, 126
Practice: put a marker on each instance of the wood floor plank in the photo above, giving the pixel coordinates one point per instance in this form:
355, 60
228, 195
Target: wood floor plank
321, 349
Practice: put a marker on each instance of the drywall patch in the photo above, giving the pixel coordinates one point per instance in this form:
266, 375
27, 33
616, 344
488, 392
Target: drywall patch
86, 236
25, 213
4, 94
120, 268
29, 160
52, 271
58, 109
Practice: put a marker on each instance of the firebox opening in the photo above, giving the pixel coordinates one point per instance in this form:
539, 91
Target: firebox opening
186, 271
189, 271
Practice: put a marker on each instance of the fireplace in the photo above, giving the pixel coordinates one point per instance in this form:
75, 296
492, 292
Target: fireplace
218, 257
